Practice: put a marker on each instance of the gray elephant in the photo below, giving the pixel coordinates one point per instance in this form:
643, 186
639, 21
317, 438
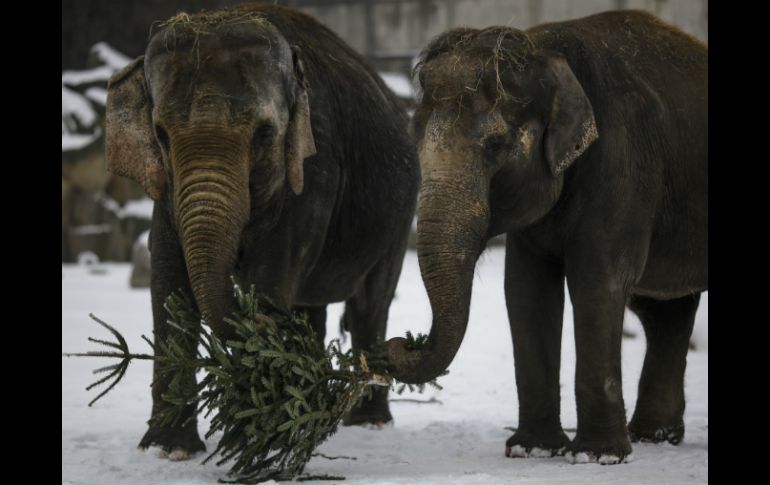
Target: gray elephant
273, 153
586, 143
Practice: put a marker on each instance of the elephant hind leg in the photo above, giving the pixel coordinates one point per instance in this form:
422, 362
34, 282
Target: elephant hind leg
366, 317
660, 404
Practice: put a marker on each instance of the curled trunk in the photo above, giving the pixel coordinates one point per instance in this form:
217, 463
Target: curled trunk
449, 241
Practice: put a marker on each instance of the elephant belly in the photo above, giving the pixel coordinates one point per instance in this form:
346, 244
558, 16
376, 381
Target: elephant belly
331, 282
674, 270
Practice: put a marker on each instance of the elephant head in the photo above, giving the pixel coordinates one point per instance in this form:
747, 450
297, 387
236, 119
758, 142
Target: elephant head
214, 122
499, 122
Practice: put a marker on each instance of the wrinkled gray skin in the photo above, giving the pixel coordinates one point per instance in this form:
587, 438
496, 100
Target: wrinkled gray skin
586, 143
270, 160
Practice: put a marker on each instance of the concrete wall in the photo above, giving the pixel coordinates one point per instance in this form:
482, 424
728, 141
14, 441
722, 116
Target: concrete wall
391, 31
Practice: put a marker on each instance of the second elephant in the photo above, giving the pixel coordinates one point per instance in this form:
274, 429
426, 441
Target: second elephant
586, 142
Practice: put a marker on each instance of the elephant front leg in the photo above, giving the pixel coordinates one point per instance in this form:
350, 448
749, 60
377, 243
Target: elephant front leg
659, 413
602, 436
316, 317
534, 295
178, 439
366, 317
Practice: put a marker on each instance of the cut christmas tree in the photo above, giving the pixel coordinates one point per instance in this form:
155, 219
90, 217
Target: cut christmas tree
275, 393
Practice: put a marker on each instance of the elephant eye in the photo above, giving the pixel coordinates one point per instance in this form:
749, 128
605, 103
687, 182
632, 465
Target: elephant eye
263, 135
264, 132
163, 140
494, 144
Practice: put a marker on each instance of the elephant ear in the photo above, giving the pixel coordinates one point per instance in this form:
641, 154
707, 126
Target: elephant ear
571, 127
299, 135
130, 146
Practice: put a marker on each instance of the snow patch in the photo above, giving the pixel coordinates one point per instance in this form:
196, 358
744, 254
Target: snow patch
97, 74
580, 458
609, 460
588, 457
97, 95
179, 454
398, 83
516, 451
107, 202
88, 258
90, 229
144, 239
112, 58
141, 208
70, 141
540, 453
74, 105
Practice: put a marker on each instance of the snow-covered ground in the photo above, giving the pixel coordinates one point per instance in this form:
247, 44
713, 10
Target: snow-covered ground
459, 441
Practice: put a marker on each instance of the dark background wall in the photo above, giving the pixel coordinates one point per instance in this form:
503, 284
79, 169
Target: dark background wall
380, 29
124, 25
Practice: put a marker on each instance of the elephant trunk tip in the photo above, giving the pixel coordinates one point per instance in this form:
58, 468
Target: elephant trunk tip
413, 366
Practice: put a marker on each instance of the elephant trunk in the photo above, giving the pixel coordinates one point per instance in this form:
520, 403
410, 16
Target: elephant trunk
212, 205
449, 240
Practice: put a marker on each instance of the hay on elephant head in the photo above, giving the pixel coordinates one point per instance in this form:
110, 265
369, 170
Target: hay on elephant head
185, 29
205, 21
492, 50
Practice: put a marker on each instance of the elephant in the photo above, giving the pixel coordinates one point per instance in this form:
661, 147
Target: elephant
275, 154
585, 143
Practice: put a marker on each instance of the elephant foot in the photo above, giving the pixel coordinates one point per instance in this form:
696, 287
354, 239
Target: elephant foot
373, 413
176, 454
176, 444
368, 419
656, 433
527, 444
602, 452
376, 426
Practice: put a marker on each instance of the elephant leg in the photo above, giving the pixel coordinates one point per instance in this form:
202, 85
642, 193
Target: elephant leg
316, 317
598, 299
180, 438
660, 404
366, 317
534, 295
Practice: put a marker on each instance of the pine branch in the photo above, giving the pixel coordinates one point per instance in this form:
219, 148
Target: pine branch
119, 369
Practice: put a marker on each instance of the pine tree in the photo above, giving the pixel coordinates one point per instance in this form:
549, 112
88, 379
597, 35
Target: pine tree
274, 391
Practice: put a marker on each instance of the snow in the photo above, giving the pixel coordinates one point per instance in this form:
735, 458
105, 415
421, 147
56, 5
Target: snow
76, 106
518, 451
70, 141
140, 208
112, 58
399, 84
97, 95
76, 110
458, 440
97, 74
92, 229
144, 239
